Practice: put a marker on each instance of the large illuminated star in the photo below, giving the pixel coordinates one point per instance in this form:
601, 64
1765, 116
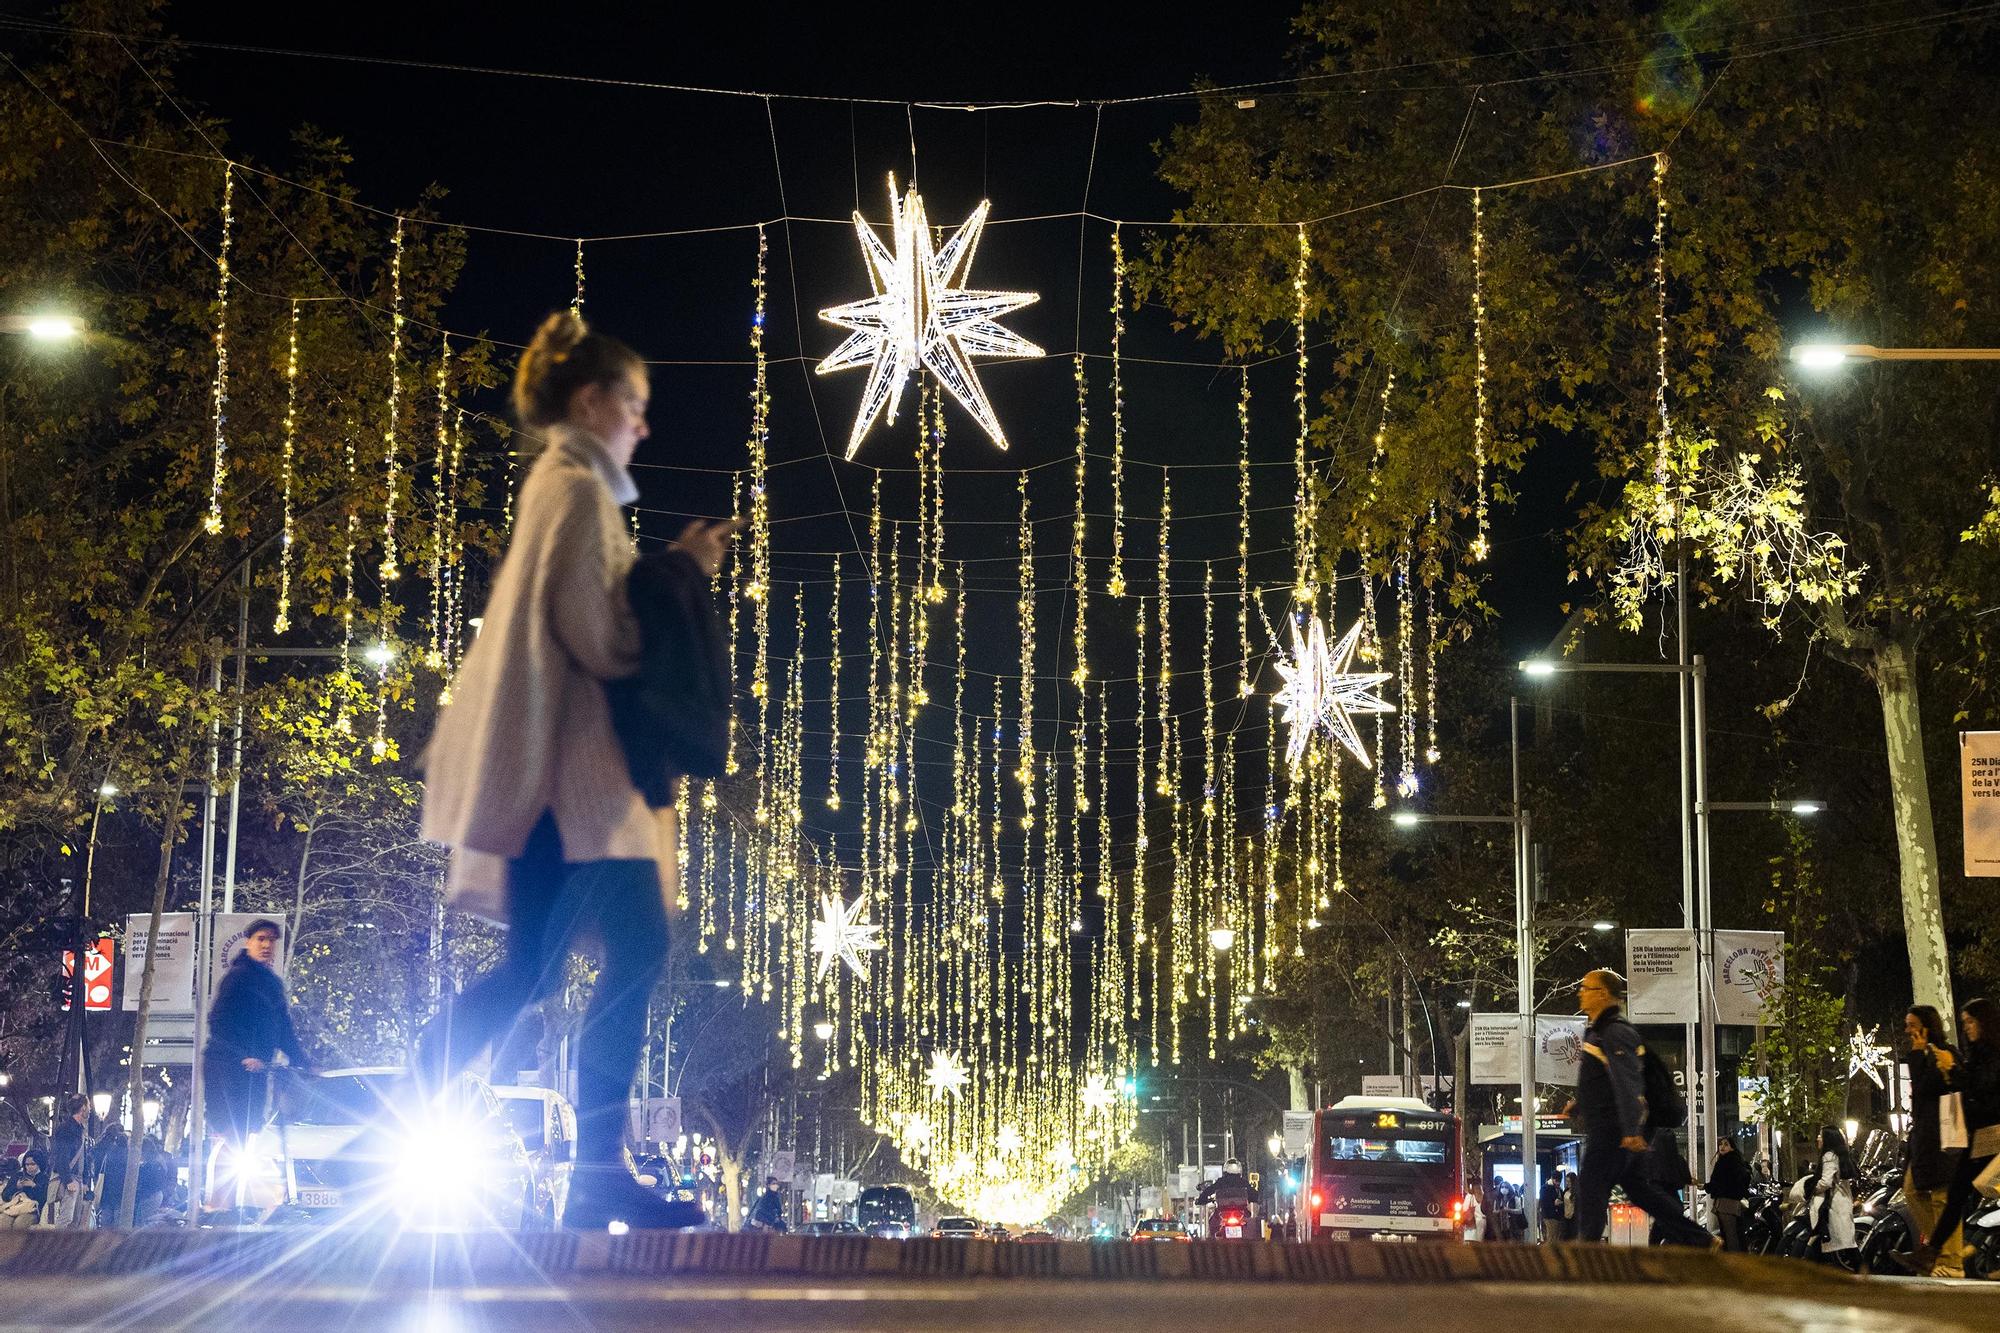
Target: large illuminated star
1319, 690
841, 933
920, 317
947, 1076
1865, 1056
1098, 1094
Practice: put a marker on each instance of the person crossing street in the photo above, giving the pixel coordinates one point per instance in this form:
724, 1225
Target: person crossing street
1611, 1100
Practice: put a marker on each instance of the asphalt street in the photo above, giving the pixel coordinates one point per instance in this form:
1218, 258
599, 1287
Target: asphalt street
975, 1305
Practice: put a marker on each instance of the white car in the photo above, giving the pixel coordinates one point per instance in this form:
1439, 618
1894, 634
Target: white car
352, 1145
546, 1124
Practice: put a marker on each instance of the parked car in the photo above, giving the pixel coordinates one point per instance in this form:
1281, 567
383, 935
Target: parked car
958, 1228
1160, 1228
354, 1144
828, 1229
546, 1125
1036, 1236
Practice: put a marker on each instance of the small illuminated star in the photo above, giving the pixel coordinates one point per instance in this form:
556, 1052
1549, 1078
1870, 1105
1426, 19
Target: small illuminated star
1008, 1141
1319, 690
947, 1076
840, 933
1098, 1094
1866, 1056
920, 317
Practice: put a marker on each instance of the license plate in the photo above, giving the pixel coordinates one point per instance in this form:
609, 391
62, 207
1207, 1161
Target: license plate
1232, 1231
319, 1198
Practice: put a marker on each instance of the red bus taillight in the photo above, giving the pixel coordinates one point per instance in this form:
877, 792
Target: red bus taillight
1317, 1201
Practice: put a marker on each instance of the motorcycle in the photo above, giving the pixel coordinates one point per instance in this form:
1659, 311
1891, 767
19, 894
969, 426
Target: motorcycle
1229, 1221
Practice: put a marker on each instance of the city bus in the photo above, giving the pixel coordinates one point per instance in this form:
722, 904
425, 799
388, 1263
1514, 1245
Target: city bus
1382, 1168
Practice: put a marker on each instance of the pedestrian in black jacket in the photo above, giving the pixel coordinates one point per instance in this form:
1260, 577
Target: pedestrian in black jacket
249, 1026
1669, 1171
1611, 1100
1728, 1186
1927, 1167
1976, 1078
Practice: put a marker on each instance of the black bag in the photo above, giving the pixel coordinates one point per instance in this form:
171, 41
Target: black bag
672, 718
1664, 1107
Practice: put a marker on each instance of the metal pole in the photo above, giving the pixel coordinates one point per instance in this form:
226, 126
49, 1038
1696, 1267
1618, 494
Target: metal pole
1682, 683
1711, 1121
1524, 950
204, 927
236, 762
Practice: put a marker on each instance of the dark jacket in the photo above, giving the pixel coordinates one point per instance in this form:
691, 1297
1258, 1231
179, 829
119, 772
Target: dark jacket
67, 1156
1665, 1166
1976, 1078
1610, 1079
672, 718
1730, 1177
769, 1211
1930, 1166
1230, 1185
250, 1019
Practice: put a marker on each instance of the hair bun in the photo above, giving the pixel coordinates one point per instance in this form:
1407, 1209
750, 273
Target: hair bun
563, 356
559, 336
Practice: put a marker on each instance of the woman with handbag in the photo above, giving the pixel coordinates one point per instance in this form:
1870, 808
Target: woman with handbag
1830, 1199
525, 780
1976, 1080
1927, 1164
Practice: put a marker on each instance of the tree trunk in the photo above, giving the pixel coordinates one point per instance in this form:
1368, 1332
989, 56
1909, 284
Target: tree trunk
732, 1187
128, 1188
299, 886
1295, 1075
1893, 670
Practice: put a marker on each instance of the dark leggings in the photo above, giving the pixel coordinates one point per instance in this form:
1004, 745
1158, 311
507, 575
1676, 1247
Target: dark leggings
1606, 1163
1956, 1199
549, 904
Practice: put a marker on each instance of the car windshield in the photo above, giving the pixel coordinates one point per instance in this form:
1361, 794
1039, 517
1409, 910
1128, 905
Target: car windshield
957, 1224
525, 1114
886, 1205
345, 1099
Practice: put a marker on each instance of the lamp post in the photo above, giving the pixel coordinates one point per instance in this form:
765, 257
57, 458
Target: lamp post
46, 328
1830, 356
1524, 957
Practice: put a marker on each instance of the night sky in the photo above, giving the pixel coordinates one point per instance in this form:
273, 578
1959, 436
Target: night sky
574, 159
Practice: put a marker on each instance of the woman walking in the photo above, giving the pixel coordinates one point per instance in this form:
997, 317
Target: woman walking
525, 780
1976, 1078
1830, 1197
1928, 1167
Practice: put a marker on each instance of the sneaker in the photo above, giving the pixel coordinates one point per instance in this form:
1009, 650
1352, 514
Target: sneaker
607, 1198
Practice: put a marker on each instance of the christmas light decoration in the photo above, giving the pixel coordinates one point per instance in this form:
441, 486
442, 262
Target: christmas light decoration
1867, 1056
833, 695
213, 523
434, 658
389, 570
1663, 444
1480, 546
1243, 686
1079, 584
344, 681
920, 317
576, 302
947, 1075
841, 935
1305, 533
1321, 693
1115, 585
284, 618
1406, 679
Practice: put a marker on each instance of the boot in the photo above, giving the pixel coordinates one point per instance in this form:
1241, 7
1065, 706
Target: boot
1919, 1260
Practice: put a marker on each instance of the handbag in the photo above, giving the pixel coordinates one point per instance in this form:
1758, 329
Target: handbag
1985, 1141
1951, 1121
1987, 1182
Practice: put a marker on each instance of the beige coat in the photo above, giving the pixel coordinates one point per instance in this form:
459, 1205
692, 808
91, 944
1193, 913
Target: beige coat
528, 728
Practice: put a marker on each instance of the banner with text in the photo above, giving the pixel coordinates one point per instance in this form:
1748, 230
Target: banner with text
1496, 1048
1979, 781
1660, 970
1749, 969
173, 970
1558, 1044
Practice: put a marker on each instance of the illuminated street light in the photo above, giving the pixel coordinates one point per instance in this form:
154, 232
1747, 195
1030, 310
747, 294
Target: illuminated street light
1831, 356
379, 654
823, 1030
1604, 927
43, 328
107, 791
1276, 1143
1222, 939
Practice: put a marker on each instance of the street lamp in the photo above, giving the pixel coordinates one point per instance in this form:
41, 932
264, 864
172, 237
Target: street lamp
823, 1030
1831, 356
379, 654
43, 328
1222, 939
1276, 1143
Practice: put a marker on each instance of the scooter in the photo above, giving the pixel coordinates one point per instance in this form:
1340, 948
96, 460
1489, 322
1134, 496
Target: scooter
1891, 1230
1229, 1221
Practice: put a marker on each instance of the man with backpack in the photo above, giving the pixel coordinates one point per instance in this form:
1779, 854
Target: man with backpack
1622, 1095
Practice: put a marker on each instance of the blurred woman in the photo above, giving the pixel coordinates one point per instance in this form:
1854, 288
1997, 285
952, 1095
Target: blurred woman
525, 780
1830, 1197
1976, 1078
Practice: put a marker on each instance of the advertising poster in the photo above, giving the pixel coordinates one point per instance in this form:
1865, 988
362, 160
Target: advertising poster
1660, 970
1979, 781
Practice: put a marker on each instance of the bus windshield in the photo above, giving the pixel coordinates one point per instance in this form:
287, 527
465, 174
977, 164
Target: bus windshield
1386, 1138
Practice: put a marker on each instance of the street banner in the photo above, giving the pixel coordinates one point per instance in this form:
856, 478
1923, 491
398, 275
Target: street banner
1401, 1085
1749, 969
782, 1165
1298, 1133
1558, 1043
98, 960
173, 971
1660, 970
658, 1119
1496, 1048
1979, 785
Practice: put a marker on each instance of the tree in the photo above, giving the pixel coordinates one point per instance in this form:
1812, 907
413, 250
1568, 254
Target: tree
1828, 171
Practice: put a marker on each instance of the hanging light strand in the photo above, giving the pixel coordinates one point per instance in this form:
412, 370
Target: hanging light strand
391, 463
576, 301
1305, 533
435, 657
833, 694
1243, 536
1115, 585
1025, 772
1163, 783
341, 720
1663, 446
1480, 543
213, 523
284, 618
1079, 584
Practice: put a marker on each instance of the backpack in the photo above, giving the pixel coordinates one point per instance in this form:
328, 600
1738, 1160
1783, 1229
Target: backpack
672, 718
1664, 1107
